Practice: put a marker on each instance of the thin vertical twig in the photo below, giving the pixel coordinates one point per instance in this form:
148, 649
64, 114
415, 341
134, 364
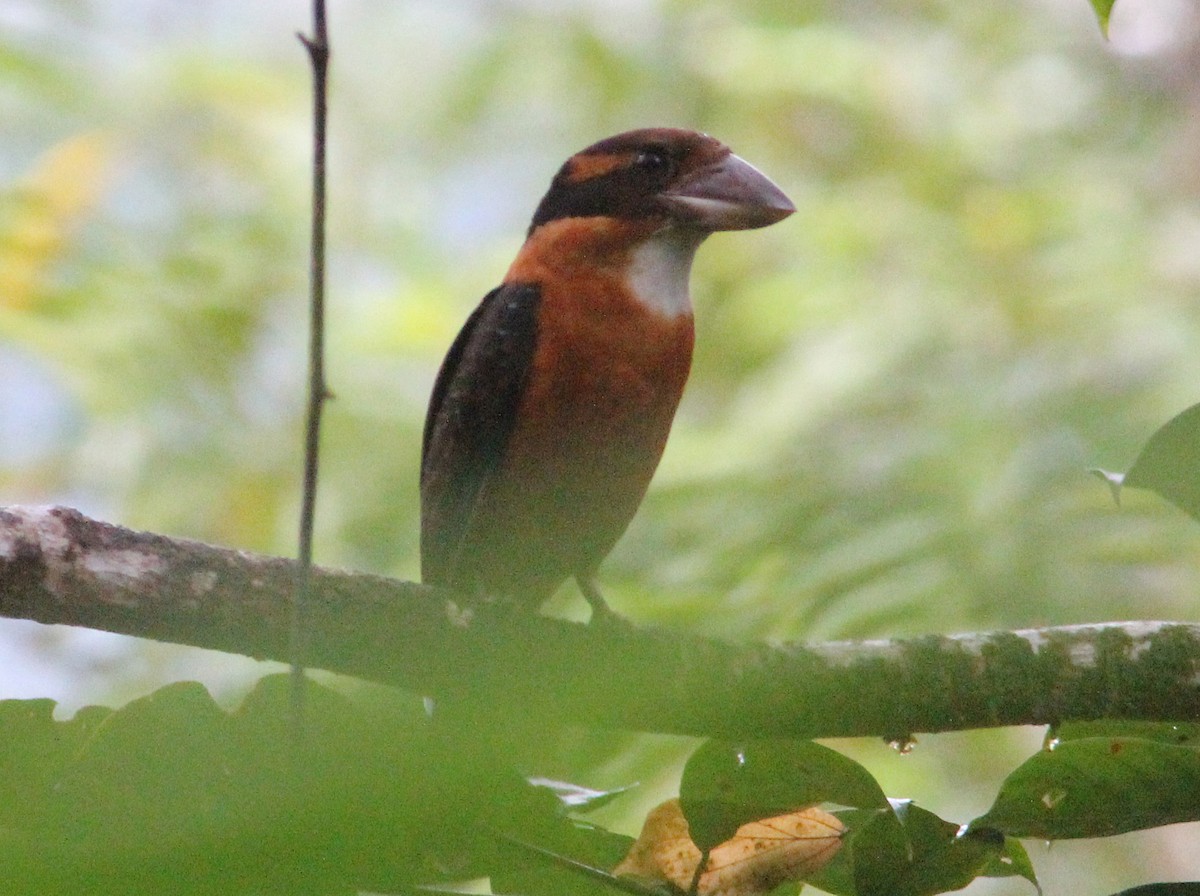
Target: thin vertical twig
317, 46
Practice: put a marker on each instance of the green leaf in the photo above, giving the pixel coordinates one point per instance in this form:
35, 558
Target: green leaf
879, 855
171, 793
942, 859
1012, 861
1098, 786
1177, 733
33, 750
1168, 462
579, 868
1103, 10
726, 784
909, 851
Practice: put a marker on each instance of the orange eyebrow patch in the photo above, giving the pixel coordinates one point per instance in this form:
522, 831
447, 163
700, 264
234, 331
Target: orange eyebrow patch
585, 167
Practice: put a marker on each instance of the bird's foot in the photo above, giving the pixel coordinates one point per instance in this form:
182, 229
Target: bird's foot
603, 616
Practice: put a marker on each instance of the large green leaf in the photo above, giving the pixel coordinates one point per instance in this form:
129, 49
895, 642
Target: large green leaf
1097, 786
172, 793
726, 784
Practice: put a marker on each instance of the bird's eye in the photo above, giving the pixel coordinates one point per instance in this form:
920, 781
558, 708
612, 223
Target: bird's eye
652, 161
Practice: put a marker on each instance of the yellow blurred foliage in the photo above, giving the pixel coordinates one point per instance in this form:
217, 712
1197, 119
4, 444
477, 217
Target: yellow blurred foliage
40, 210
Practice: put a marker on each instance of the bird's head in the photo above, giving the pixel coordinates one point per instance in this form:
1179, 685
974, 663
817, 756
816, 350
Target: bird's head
679, 178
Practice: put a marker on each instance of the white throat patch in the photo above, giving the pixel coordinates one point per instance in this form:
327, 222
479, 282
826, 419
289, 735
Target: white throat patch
659, 270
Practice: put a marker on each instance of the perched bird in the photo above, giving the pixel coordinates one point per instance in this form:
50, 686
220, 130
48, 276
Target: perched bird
553, 405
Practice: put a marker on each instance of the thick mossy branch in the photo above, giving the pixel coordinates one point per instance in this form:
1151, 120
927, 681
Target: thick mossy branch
59, 567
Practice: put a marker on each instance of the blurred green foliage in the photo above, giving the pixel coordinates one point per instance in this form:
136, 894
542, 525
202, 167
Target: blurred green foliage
989, 287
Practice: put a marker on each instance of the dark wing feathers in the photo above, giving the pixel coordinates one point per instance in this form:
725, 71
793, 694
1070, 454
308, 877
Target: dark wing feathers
471, 416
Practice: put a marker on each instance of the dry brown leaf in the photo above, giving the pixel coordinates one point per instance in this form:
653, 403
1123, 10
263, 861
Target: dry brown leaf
757, 858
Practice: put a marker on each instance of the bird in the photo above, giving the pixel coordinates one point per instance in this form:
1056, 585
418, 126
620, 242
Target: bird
552, 408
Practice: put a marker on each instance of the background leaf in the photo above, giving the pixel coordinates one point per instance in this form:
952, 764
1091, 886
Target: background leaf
1103, 10
1167, 464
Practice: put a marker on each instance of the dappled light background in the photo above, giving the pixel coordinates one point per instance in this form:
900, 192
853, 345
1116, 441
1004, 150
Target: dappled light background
990, 286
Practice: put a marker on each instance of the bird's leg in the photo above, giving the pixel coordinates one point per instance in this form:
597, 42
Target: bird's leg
602, 613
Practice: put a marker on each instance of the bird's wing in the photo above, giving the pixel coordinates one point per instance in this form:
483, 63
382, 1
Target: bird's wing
471, 416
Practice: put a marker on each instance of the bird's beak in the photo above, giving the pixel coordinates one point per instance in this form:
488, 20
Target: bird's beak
728, 194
